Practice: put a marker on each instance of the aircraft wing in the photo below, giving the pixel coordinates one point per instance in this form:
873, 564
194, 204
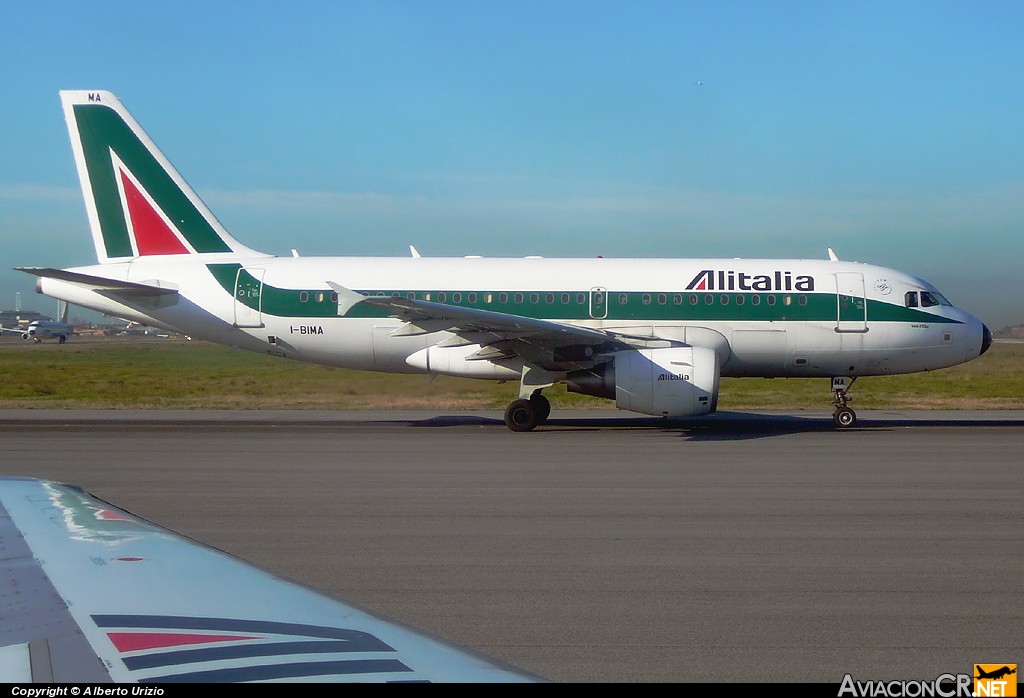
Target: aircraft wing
92, 593
546, 343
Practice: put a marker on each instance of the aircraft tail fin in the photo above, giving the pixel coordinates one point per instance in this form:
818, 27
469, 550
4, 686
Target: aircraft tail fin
137, 203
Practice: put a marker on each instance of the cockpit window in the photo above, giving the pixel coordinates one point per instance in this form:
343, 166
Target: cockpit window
929, 299
932, 298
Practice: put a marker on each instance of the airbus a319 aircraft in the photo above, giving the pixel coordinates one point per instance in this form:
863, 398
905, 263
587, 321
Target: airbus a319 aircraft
38, 330
655, 335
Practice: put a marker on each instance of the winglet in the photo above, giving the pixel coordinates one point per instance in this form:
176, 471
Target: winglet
347, 298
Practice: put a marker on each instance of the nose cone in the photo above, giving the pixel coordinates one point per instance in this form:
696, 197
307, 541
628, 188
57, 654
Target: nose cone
986, 339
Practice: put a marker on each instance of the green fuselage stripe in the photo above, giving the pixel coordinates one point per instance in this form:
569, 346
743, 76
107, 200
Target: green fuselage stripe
631, 306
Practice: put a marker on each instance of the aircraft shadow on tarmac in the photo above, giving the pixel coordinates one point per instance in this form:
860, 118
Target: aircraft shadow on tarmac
723, 426
727, 426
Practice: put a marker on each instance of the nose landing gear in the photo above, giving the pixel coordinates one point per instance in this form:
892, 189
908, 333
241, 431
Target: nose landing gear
843, 416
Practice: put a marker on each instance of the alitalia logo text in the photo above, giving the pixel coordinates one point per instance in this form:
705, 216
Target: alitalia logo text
728, 280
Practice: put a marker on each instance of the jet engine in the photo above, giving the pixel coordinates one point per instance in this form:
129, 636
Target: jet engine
668, 382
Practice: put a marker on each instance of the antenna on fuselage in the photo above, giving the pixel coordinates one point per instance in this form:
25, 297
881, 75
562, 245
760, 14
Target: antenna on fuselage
415, 253
832, 255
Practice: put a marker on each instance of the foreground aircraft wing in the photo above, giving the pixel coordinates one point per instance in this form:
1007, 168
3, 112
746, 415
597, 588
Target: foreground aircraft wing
92, 593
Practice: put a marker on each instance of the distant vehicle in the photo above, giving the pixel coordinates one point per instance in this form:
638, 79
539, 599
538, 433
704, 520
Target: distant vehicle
39, 330
106, 596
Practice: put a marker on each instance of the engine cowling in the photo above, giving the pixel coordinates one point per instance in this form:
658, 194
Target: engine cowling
457, 361
668, 382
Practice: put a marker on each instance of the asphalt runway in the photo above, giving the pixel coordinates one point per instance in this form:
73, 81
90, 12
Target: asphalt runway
601, 547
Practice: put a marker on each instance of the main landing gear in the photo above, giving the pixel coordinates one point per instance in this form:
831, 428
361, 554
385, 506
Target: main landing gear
843, 416
526, 415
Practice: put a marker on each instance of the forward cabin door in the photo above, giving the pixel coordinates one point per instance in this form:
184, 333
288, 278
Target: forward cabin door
851, 305
249, 298
598, 302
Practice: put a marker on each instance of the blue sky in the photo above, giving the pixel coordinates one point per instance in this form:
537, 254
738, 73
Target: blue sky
889, 131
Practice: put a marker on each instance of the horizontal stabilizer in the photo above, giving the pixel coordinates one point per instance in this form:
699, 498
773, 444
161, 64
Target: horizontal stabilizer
100, 283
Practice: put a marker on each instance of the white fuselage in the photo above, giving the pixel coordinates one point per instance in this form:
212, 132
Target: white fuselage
764, 317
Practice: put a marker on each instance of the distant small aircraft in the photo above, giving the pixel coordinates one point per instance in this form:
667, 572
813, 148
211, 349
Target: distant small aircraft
38, 330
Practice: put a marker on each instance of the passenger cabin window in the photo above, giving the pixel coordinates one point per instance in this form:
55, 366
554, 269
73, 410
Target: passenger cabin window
911, 299
304, 296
